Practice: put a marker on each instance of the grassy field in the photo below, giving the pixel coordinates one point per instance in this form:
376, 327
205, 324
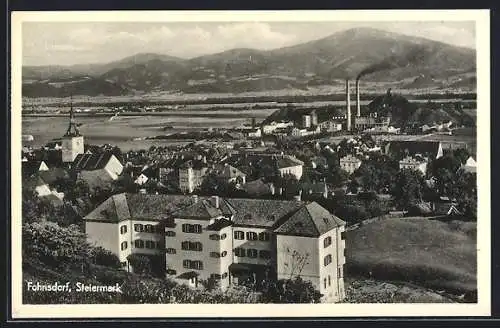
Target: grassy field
429, 253
373, 291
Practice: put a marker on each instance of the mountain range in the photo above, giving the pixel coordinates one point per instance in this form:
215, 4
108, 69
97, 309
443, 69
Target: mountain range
380, 56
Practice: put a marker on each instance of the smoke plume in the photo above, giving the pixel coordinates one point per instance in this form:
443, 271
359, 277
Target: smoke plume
413, 56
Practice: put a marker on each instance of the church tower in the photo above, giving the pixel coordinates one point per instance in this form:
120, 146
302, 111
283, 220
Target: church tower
72, 141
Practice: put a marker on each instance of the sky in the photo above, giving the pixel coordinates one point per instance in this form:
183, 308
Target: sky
61, 43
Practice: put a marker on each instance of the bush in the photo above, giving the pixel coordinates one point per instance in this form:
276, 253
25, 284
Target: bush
140, 263
101, 256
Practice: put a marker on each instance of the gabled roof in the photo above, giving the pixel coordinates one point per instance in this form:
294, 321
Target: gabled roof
90, 162
261, 212
311, 220
410, 147
31, 167
202, 209
245, 212
257, 188
231, 172
53, 174
33, 182
219, 225
96, 178
287, 161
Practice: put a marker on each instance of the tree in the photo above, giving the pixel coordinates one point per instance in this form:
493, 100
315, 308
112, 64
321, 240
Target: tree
73, 189
58, 247
294, 290
101, 256
140, 263
408, 188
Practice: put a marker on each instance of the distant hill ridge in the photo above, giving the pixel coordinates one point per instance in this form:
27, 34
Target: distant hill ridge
386, 56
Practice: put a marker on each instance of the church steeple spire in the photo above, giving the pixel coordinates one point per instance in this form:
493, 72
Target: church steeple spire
72, 130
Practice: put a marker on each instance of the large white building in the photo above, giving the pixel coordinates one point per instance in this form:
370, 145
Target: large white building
350, 163
229, 240
191, 175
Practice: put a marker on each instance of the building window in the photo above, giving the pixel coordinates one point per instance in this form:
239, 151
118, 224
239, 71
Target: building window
327, 241
251, 235
186, 264
123, 229
214, 237
325, 282
327, 260
171, 272
158, 245
148, 228
192, 246
197, 265
170, 233
240, 252
150, 244
240, 235
215, 276
139, 243
265, 254
191, 228
124, 245
342, 235
214, 254
253, 253
170, 251
264, 236
223, 236
138, 227
223, 254
224, 275
340, 272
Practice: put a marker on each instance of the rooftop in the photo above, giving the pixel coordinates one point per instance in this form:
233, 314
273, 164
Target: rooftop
311, 220
304, 219
410, 147
89, 162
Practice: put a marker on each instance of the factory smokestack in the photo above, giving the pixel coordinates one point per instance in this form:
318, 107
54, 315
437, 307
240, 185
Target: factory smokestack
358, 104
348, 104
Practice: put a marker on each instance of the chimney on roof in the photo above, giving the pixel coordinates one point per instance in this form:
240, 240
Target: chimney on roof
216, 201
205, 159
195, 199
358, 104
348, 103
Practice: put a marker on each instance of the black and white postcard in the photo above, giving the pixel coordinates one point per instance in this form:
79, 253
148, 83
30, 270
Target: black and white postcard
263, 164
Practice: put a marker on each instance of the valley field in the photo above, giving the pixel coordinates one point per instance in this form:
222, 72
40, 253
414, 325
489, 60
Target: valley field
430, 253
